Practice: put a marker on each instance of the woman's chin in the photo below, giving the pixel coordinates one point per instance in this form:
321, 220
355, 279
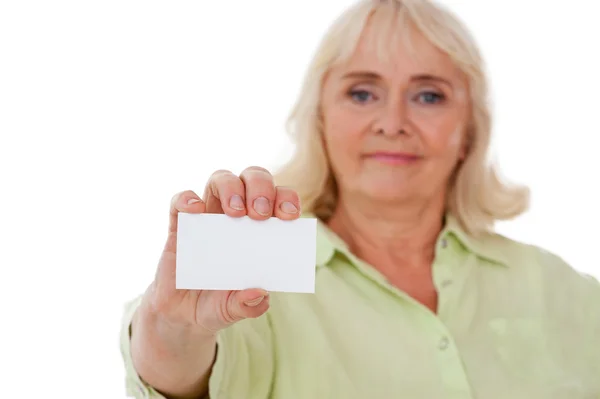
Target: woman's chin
390, 192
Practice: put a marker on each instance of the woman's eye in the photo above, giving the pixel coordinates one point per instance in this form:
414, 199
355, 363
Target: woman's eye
430, 97
361, 96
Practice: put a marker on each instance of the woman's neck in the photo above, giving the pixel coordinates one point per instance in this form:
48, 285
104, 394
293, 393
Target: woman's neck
390, 236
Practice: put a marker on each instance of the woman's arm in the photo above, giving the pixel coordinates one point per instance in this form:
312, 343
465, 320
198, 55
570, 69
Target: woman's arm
174, 360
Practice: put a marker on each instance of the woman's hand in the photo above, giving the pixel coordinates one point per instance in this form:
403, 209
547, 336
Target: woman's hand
252, 193
173, 333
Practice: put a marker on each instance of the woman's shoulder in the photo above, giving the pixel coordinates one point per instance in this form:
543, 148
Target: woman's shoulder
543, 283
546, 265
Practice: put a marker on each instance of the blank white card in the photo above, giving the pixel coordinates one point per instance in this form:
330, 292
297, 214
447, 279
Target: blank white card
218, 252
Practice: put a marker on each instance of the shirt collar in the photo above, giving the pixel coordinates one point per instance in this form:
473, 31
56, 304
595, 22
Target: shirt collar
487, 246
328, 243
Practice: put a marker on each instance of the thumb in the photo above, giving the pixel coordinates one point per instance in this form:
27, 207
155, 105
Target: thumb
248, 303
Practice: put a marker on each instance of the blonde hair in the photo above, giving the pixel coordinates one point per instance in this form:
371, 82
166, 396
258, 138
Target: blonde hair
477, 196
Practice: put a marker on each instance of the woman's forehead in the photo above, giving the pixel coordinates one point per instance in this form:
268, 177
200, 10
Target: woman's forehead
400, 51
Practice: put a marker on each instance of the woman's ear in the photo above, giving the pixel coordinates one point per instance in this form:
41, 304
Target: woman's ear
466, 144
463, 152
321, 124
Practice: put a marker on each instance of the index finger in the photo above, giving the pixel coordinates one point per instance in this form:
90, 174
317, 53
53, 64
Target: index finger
185, 201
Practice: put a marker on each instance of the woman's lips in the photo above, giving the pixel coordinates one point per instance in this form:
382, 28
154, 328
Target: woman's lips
393, 158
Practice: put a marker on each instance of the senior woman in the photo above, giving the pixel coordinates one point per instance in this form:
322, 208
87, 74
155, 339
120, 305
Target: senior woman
416, 296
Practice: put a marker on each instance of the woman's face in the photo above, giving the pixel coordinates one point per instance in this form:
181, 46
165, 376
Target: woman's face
395, 131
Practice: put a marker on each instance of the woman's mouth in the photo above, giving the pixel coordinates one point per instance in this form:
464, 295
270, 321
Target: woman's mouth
393, 158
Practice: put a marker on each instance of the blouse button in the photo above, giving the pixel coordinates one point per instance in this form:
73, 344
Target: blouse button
446, 283
444, 343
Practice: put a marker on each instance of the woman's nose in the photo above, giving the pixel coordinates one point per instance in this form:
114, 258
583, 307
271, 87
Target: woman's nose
392, 120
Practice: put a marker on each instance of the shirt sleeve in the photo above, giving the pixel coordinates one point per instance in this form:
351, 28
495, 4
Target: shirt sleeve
582, 291
243, 367
595, 316
594, 319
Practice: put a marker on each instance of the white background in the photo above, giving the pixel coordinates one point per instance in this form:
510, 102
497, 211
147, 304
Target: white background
107, 108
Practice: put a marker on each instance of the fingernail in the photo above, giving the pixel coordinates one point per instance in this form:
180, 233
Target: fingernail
193, 201
236, 203
288, 207
255, 302
261, 206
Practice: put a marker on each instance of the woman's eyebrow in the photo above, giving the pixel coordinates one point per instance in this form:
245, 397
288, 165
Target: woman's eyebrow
369, 75
362, 75
430, 78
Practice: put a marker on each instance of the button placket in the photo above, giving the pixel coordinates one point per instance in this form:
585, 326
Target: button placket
444, 273
443, 280
452, 370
